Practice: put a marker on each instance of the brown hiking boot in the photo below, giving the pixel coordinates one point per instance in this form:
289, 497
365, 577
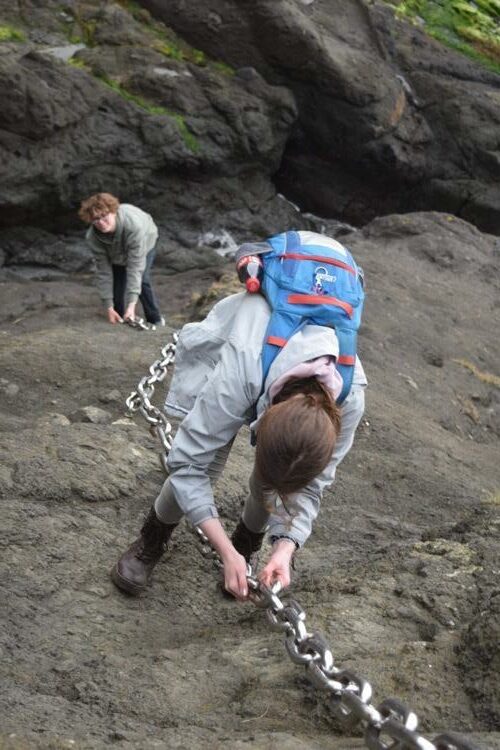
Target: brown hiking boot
246, 542
133, 570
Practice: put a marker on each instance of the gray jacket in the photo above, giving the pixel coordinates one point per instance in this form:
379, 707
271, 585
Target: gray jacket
135, 235
216, 384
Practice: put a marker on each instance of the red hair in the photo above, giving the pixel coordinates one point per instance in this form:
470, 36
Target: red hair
98, 205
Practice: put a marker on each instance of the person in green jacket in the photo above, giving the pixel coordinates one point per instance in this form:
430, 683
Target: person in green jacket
122, 238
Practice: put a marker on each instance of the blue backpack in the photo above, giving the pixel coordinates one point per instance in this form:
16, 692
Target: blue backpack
312, 284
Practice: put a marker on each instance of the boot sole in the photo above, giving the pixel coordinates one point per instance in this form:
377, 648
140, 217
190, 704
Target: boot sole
124, 584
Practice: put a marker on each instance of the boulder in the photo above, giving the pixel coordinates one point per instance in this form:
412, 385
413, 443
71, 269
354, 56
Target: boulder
389, 119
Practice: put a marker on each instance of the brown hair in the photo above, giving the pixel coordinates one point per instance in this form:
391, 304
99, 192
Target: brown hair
98, 205
297, 435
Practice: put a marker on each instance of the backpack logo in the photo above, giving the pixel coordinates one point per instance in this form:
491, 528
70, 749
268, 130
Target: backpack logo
320, 276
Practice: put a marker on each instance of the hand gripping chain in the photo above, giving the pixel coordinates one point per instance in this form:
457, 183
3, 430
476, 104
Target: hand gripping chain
389, 726
137, 323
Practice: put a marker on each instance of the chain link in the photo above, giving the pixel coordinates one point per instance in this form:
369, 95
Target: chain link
136, 323
140, 400
390, 726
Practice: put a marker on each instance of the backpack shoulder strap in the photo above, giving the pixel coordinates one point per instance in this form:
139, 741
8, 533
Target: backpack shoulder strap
346, 360
282, 324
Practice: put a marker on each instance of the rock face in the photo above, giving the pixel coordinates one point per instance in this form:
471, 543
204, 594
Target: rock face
400, 574
388, 119
122, 114
193, 145
339, 106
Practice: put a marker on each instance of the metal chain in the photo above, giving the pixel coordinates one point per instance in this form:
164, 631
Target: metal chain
390, 725
136, 323
140, 400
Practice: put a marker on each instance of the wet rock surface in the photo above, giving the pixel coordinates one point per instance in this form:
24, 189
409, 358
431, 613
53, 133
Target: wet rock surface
400, 574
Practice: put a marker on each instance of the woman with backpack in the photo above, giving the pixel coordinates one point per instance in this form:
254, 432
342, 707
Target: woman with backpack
300, 434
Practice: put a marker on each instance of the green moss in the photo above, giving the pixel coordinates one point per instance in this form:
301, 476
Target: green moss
79, 29
221, 67
472, 28
166, 42
188, 138
76, 62
198, 57
138, 100
177, 50
11, 34
137, 11
169, 50
88, 32
169, 44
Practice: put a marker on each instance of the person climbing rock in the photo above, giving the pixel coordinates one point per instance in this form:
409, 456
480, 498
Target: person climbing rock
122, 238
300, 433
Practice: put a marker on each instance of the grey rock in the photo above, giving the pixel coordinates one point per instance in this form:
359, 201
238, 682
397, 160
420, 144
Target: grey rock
54, 418
217, 128
10, 389
92, 414
65, 52
111, 397
385, 109
82, 456
27, 248
32, 273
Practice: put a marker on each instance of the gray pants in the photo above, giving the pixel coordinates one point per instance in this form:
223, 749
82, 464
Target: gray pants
255, 516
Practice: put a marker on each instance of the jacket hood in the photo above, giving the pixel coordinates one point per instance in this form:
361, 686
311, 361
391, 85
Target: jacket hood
309, 343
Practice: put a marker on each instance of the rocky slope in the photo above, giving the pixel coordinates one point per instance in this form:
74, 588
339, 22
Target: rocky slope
400, 575
202, 113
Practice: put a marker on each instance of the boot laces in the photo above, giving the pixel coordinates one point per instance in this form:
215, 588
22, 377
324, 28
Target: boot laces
151, 547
